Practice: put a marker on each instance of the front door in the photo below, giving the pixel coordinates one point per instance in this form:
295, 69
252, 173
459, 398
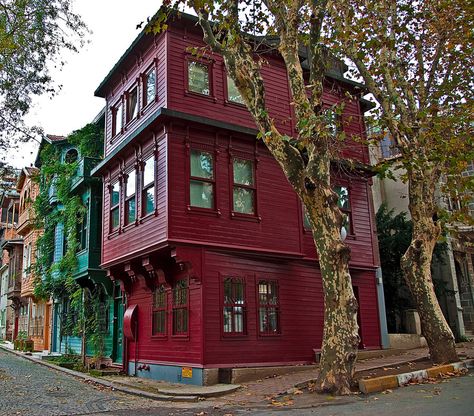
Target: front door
118, 327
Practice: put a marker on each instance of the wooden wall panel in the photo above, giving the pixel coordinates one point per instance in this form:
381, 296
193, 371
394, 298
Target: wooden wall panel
148, 232
301, 311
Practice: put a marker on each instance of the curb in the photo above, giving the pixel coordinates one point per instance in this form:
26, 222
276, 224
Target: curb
373, 385
113, 386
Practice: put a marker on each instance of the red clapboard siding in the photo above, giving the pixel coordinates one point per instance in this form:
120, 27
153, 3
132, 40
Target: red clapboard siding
151, 230
167, 348
301, 310
152, 54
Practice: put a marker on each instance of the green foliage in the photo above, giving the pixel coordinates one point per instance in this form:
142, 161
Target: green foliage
81, 312
32, 35
89, 140
394, 235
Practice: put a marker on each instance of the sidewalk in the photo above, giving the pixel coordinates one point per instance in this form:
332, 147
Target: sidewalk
249, 393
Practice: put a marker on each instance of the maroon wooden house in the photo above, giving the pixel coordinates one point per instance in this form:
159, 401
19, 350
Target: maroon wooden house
202, 234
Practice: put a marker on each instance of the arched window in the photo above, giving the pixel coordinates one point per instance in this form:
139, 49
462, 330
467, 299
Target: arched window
71, 156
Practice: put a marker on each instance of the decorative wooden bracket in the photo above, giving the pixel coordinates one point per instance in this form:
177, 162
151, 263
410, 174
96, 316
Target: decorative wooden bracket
123, 279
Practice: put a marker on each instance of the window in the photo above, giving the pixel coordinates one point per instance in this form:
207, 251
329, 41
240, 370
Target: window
82, 231
344, 204
149, 87
268, 308
202, 179
234, 306
180, 308
244, 186
233, 93
159, 311
132, 104
117, 119
130, 199
114, 206
71, 156
306, 221
198, 78
148, 194
332, 122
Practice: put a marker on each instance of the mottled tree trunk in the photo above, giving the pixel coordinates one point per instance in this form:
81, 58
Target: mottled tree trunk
416, 266
340, 334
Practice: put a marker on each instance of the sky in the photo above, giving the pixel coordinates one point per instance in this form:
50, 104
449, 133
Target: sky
113, 26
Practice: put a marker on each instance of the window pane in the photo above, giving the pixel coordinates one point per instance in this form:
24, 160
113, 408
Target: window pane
131, 210
238, 319
132, 103
149, 200
149, 172
130, 184
243, 172
115, 218
343, 194
150, 86
331, 120
202, 164
118, 119
227, 319
306, 221
243, 200
201, 194
262, 318
198, 78
233, 92
115, 194
272, 320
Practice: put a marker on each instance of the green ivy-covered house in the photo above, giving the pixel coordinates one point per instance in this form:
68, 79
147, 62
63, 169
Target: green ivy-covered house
70, 206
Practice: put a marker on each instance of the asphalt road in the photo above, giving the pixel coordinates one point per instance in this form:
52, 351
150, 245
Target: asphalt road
28, 389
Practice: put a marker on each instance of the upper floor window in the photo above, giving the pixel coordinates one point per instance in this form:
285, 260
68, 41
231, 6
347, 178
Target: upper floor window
180, 308
202, 179
149, 87
82, 232
130, 198
306, 220
71, 156
234, 306
344, 204
159, 311
114, 206
198, 78
117, 119
148, 193
233, 93
332, 121
244, 186
268, 307
132, 104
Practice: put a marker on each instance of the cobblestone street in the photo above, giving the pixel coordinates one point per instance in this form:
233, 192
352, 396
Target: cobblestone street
33, 390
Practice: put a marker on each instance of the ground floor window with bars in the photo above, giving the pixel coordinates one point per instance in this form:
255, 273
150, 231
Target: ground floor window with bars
234, 306
180, 308
159, 311
269, 307
37, 320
